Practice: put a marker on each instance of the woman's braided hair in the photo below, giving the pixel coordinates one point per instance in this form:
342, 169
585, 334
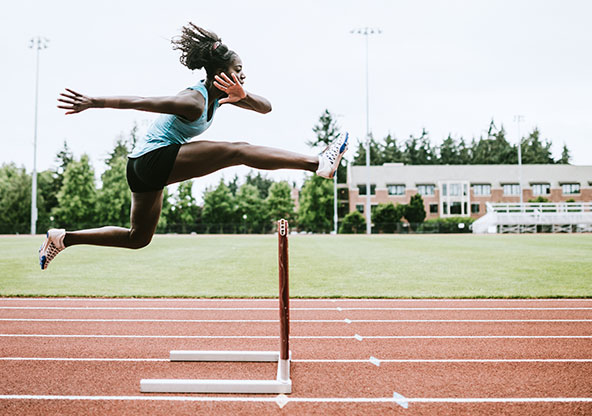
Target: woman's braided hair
201, 48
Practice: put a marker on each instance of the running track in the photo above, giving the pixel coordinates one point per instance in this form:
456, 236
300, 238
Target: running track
409, 357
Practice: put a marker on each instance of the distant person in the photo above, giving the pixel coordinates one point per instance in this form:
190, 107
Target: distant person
166, 156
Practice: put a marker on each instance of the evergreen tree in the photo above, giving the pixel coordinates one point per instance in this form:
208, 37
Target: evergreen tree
449, 152
415, 211
376, 157
279, 203
534, 151
233, 185
219, 209
78, 196
326, 131
15, 199
565, 156
391, 153
316, 205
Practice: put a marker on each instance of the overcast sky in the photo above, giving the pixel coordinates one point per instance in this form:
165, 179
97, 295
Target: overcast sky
448, 66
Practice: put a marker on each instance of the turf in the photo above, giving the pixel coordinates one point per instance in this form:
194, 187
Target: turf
558, 265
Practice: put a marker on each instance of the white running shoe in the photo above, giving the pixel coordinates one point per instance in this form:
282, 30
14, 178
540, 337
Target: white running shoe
53, 244
330, 157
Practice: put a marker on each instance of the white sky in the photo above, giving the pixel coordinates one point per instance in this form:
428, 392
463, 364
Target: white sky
448, 66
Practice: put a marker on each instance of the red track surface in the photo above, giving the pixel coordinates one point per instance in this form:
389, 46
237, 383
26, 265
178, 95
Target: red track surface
87, 356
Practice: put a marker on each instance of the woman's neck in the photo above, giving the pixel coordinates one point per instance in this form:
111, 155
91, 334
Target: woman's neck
213, 92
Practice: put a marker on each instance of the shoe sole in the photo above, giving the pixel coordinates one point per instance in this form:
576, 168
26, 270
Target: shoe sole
342, 151
43, 258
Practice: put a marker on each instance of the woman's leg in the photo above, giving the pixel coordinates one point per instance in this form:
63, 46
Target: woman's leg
145, 212
203, 157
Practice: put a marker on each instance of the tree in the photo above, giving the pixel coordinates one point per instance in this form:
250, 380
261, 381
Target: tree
316, 205
353, 223
415, 211
391, 153
449, 152
78, 196
250, 210
565, 156
15, 199
262, 183
386, 217
326, 130
279, 203
184, 213
376, 157
534, 151
219, 209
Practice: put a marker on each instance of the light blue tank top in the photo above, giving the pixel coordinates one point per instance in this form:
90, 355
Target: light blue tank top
170, 129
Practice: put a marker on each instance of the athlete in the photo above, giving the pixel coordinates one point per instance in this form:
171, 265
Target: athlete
165, 155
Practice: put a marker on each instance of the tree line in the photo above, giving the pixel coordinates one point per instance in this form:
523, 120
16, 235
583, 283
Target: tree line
69, 196
495, 149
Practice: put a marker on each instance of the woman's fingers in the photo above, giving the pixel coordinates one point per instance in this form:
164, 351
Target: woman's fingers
222, 81
227, 79
220, 86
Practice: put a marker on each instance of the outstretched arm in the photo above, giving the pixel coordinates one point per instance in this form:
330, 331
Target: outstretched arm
186, 104
239, 97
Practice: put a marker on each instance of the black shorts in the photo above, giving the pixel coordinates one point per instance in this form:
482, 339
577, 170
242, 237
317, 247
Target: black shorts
151, 171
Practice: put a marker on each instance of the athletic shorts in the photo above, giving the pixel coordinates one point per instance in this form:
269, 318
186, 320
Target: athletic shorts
151, 171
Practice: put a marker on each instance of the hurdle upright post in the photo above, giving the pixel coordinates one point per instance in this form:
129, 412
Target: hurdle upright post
284, 300
282, 383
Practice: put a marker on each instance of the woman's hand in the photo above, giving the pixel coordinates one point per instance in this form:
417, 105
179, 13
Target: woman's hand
75, 102
234, 89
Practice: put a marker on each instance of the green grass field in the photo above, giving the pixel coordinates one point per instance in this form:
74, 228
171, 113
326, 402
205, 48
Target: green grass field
320, 266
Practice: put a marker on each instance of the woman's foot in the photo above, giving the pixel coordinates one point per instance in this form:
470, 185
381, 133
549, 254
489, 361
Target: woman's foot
331, 156
53, 244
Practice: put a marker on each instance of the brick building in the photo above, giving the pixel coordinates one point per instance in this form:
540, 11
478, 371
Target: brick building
462, 190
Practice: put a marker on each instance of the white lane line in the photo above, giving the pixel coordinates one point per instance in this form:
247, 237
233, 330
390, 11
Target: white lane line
400, 400
298, 336
292, 399
373, 360
347, 321
138, 308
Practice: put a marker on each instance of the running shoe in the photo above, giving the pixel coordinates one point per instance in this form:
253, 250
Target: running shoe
330, 157
53, 244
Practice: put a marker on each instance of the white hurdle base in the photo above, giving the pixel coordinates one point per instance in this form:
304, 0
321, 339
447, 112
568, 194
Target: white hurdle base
282, 384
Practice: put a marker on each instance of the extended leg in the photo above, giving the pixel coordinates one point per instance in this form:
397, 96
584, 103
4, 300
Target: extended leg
203, 157
145, 212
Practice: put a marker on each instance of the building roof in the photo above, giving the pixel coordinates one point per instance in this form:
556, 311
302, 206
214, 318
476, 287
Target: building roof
496, 175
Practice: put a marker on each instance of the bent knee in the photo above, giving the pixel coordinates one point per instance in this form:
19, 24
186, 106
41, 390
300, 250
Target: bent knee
139, 240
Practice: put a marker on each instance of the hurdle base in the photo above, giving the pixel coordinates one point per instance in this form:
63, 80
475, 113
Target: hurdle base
283, 383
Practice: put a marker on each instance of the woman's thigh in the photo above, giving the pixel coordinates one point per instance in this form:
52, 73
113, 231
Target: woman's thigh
203, 157
145, 212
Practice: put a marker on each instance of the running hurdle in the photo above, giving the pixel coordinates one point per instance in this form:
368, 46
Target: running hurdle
282, 384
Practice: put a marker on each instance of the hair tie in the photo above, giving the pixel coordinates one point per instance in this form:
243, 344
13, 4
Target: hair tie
216, 44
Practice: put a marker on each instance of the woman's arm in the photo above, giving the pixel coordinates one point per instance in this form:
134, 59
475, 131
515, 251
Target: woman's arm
187, 104
239, 97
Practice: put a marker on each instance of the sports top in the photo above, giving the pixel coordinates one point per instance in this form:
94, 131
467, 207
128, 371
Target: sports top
170, 129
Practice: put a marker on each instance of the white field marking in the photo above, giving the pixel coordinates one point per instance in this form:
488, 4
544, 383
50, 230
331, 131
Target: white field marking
132, 308
347, 321
298, 336
291, 399
373, 360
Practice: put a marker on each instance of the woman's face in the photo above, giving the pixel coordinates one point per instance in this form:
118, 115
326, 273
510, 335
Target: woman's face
236, 67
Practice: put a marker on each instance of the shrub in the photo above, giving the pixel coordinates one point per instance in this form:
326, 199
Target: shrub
353, 223
447, 225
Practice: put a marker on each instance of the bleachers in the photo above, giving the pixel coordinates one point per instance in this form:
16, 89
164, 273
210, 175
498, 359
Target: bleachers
562, 217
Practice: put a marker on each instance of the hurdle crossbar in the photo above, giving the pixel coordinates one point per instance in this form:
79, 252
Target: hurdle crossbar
282, 383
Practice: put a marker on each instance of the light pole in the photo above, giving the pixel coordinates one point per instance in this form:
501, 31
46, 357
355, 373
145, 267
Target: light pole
518, 119
36, 43
367, 31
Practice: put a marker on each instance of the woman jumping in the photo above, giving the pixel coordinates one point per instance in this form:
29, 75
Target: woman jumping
165, 156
